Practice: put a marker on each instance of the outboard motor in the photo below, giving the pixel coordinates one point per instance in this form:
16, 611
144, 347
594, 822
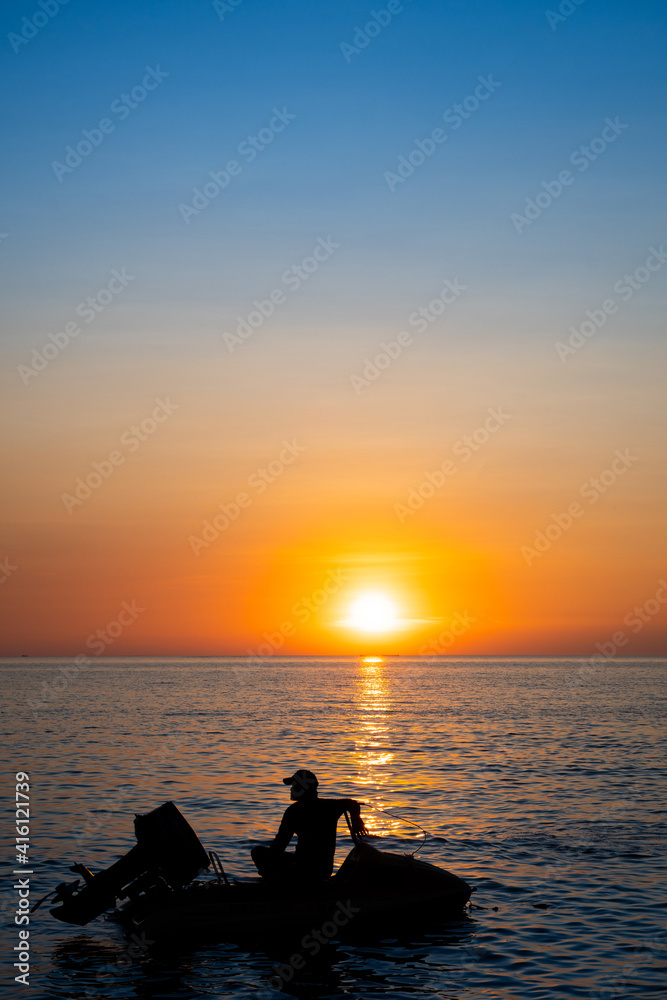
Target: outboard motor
168, 852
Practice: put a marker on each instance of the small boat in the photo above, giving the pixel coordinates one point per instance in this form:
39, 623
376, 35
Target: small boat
163, 897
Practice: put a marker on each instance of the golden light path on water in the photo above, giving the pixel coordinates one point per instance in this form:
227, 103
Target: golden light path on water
373, 744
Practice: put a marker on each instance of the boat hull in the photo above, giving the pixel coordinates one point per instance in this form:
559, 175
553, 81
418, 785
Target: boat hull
371, 889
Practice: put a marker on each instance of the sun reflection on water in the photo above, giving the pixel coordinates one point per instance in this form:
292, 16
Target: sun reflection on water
374, 750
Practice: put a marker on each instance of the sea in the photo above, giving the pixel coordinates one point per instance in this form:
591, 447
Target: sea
539, 781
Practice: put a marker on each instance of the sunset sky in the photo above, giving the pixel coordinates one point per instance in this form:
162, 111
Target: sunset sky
492, 164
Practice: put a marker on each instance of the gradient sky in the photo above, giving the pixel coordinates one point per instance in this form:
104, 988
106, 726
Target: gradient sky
331, 515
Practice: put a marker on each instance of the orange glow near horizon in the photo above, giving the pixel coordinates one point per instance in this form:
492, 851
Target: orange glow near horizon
244, 597
282, 576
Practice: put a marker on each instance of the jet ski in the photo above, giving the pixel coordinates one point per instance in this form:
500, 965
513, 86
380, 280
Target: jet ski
155, 890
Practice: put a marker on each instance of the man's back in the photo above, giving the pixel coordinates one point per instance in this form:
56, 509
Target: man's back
314, 821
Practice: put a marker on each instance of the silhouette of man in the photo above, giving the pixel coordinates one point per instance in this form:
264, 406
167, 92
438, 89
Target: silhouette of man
314, 821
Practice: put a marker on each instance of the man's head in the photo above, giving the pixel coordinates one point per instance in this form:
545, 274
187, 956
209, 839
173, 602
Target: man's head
303, 785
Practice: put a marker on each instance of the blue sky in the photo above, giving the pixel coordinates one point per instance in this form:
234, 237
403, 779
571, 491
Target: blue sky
325, 173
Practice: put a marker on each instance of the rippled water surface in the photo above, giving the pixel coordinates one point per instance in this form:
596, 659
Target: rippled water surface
541, 782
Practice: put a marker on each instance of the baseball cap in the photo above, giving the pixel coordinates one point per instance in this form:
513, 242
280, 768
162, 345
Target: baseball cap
305, 779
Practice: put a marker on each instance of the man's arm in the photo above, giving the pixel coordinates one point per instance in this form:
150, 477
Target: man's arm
354, 808
285, 833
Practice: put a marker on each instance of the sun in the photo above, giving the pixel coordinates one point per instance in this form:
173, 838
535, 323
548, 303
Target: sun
373, 612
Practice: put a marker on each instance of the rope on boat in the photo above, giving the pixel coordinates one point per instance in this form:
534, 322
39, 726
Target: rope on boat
403, 820
357, 840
